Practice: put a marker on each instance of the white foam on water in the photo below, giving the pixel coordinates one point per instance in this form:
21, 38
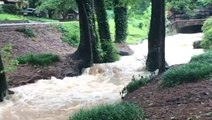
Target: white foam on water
57, 99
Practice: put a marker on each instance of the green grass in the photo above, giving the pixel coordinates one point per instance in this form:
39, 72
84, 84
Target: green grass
135, 84
199, 68
138, 27
135, 33
205, 58
38, 59
6, 16
70, 32
118, 111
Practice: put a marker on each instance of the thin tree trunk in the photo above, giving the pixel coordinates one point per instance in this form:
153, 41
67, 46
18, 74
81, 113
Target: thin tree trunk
3, 82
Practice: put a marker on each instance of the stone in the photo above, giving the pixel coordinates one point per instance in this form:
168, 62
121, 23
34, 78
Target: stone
197, 44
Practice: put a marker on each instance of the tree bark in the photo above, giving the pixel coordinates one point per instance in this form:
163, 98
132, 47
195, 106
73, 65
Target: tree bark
111, 54
120, 12
103, 26
97, 51
84, 51
161, 53
3, 82
156, 37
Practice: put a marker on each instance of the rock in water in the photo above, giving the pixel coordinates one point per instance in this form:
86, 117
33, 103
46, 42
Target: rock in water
197, 44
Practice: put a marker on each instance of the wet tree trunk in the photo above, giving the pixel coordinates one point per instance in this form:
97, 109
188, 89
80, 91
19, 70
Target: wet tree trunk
104, 32
97, 51
162, 30
156, 38
103, 26
120, 12
3, 82
84, 51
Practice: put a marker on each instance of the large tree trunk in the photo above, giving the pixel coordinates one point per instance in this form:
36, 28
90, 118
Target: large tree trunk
162, 30
156, 38
104, 32
3, 82
84, 51
120, 11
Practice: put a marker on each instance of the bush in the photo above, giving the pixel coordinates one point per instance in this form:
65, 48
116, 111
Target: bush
9, 8
135, 84
27, 32
190, 72
207, 40
207, 25
38, 59
119, 111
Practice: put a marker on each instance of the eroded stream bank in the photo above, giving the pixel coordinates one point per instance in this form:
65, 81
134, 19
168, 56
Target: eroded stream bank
56, 99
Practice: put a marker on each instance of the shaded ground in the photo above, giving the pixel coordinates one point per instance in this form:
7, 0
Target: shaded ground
47, 40
192, 101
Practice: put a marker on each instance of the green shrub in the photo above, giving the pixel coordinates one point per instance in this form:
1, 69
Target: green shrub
119, 111
190, 72
38, 59
27, 32
207, 40
110, 52
135, 84
205, 58
9, 8
207, 24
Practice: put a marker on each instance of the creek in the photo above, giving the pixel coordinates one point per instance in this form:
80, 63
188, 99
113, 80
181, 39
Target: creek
57, 99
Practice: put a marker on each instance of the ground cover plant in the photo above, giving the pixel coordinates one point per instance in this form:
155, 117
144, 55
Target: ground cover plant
117, 111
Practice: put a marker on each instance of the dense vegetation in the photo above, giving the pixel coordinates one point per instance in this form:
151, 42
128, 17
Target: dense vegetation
207, 30
118, 111
198, 68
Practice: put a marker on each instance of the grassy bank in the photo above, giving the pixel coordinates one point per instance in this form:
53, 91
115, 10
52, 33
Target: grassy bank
7, 17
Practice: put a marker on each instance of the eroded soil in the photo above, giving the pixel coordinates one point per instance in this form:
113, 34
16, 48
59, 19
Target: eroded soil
47, 40
192, 101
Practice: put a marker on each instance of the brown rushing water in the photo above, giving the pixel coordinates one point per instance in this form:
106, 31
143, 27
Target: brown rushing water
57, 99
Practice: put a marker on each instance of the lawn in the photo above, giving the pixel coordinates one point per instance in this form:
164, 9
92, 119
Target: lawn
5, 16
138, 27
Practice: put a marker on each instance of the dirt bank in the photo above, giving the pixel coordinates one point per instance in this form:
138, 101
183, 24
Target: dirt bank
47, 40
192, 101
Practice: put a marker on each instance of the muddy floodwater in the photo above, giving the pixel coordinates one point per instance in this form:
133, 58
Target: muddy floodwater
57, 99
